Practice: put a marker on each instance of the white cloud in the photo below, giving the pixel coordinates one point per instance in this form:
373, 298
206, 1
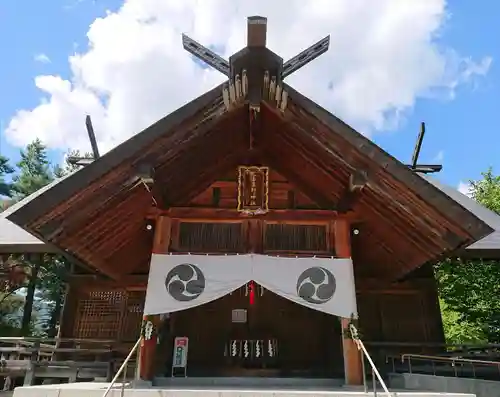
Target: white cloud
464, 188
384, 54
42, 58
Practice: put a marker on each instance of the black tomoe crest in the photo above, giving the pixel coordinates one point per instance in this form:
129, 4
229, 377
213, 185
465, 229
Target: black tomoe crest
316, 285
185, 282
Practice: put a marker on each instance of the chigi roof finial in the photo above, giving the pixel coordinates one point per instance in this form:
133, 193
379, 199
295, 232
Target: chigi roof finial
256, 42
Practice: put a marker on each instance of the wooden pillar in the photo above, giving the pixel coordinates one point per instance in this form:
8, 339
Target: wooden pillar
352, 356
161, 244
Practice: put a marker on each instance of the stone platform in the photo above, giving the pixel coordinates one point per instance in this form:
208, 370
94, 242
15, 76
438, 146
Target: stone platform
94, 389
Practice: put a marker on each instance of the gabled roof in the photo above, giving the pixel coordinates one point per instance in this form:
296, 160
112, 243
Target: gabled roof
489, 243
99, 214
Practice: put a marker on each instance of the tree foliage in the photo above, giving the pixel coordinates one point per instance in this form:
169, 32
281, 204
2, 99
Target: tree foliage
5, 170
458, 330
487, 191
470, 288
38, 309
33, 170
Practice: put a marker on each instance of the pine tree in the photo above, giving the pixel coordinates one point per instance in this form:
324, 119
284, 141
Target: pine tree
53, 287
5, 169
47, 274
33, 173
33, 170
9, 304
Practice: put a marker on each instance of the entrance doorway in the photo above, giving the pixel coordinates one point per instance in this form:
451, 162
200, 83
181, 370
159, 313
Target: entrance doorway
264, 336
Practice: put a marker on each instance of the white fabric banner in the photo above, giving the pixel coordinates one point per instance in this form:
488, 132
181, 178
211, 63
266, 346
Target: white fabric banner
323, 284
178, 282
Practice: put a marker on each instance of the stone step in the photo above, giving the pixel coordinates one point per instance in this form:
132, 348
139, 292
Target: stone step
95, 389
249, 382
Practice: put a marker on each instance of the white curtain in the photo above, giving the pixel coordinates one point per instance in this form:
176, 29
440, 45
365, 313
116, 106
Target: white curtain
178, 282
322, 284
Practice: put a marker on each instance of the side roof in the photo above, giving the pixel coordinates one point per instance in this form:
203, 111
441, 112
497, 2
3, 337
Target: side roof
16, 240
488, 243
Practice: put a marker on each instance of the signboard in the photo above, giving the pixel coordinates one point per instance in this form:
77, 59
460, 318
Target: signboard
253, 189
239, 316
179, 360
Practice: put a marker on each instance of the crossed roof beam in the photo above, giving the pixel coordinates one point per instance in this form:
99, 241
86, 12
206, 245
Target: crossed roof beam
256, 37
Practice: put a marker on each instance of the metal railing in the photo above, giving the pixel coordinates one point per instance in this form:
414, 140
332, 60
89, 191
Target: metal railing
122, 369
364, 354
456, 363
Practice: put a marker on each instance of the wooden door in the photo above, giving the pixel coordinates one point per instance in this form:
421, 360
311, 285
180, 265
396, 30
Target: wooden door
304, 341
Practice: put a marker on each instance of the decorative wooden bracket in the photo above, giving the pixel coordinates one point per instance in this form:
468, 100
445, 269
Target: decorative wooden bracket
235, 91
145, 172
274, 92
357, 182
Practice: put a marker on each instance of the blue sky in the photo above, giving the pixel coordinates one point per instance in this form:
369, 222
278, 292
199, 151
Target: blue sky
461, 133
56, 28
467, 128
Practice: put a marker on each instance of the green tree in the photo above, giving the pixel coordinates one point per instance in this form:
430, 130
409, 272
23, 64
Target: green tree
53, 285
458, 330
487, 190
470, 289
53, 270
10, 313
45, 284
5, 169
34, 172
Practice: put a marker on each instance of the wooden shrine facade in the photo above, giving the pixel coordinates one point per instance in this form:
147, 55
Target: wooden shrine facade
310, 185
391, 311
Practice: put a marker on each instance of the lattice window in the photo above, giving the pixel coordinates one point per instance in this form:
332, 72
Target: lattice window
132, 317
295, 238
210, 237
111, 314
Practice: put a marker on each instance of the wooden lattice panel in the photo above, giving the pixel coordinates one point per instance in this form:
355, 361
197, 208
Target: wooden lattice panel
210, 237
281, 237
109, 314
132, 317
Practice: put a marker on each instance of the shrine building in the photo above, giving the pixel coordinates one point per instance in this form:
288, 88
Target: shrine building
253, 226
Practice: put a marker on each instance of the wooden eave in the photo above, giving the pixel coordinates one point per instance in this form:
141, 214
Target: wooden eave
399, 205
408, 221
187, 150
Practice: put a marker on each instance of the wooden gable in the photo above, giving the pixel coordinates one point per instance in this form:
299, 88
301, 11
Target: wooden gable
101, 214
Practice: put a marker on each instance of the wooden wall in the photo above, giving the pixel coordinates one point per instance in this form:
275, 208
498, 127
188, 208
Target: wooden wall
407, 312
